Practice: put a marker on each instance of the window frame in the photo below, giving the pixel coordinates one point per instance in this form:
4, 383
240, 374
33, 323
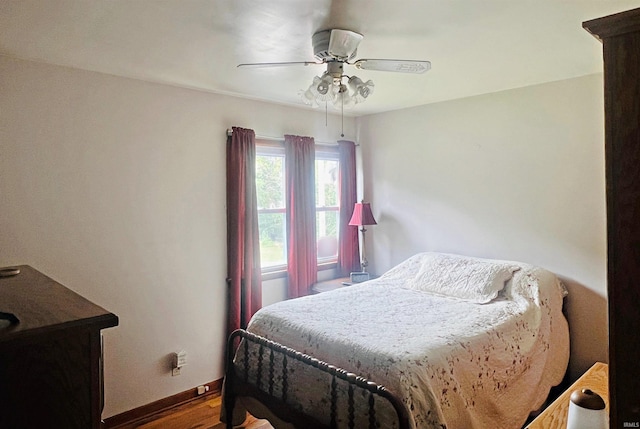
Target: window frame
327, 152
322, 151
272, 148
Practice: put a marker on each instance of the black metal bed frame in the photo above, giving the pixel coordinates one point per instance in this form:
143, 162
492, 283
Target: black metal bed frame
263, 389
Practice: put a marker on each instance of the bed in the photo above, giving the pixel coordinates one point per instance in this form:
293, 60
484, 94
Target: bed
458, 342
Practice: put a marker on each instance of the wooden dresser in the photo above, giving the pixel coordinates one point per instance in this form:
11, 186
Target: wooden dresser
51, 360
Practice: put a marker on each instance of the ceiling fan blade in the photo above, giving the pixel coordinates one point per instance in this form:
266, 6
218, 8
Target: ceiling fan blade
402, 66
293, 63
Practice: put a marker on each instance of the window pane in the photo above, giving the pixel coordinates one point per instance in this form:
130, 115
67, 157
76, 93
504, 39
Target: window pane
327, 182
327, 208
327, 233
273, 250
270, 189
270, 181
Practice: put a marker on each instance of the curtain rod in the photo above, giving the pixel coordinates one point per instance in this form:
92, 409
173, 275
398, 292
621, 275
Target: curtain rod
321, 143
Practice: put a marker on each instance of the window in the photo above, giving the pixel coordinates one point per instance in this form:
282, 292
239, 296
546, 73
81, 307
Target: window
270, 188
327, 205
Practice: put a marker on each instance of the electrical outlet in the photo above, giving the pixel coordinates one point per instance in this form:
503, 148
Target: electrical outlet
179, 359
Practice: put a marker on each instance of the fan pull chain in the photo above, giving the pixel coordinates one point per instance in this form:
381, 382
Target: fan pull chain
326, 114
342, 131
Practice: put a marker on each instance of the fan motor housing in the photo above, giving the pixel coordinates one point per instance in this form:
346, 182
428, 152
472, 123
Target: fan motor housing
335, 68
320, 42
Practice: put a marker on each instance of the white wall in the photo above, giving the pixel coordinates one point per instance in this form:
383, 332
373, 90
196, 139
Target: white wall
116, 188
513, 175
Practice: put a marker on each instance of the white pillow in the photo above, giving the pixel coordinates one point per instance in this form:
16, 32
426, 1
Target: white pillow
472, 279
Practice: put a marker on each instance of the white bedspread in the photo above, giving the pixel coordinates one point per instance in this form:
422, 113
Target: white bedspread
454, 364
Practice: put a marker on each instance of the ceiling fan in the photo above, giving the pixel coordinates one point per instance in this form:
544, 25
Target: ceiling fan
335, 48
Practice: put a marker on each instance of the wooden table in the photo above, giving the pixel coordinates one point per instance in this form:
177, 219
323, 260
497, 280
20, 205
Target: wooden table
555, 415
327, 285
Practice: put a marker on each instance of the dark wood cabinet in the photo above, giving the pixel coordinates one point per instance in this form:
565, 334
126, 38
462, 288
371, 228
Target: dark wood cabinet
50, 361
620, 36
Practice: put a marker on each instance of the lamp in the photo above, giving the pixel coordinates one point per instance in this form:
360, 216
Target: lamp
362, 216
329, 88
361, 90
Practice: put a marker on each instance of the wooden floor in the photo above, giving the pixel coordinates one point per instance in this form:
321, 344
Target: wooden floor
198, 414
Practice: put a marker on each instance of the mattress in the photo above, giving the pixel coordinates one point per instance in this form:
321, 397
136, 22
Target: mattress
454, 363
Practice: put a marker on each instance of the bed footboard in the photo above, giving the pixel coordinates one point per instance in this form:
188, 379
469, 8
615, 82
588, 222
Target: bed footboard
270, 384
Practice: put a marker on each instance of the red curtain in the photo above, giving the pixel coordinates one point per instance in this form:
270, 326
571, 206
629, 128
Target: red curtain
243, 244
302, 259
348, 244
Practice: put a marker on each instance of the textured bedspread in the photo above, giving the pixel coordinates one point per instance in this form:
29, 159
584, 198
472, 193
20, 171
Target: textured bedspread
455, 364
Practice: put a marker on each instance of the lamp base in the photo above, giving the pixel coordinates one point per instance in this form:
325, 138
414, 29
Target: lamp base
359, 277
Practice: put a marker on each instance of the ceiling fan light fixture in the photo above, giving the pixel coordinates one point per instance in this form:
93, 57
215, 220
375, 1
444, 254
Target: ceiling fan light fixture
321, 90
329, 87
308, 97
335, 48
343, 97
361, 90
313, 88
324, 83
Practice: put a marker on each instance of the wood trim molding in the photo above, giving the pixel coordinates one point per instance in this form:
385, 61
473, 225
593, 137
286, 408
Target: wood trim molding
147, 412
614, 25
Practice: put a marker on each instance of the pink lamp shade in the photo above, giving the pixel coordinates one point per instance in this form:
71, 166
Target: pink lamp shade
362, 215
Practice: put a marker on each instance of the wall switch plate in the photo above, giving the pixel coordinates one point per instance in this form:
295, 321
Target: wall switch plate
175, 371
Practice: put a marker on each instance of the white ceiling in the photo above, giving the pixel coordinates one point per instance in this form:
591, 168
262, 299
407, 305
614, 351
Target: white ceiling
475, 46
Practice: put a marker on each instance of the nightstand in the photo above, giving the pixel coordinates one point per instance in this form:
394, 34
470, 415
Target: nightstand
555, 415
328, 285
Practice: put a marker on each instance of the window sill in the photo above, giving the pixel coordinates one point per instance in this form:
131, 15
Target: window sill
272, 275
282, 273
327, 266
